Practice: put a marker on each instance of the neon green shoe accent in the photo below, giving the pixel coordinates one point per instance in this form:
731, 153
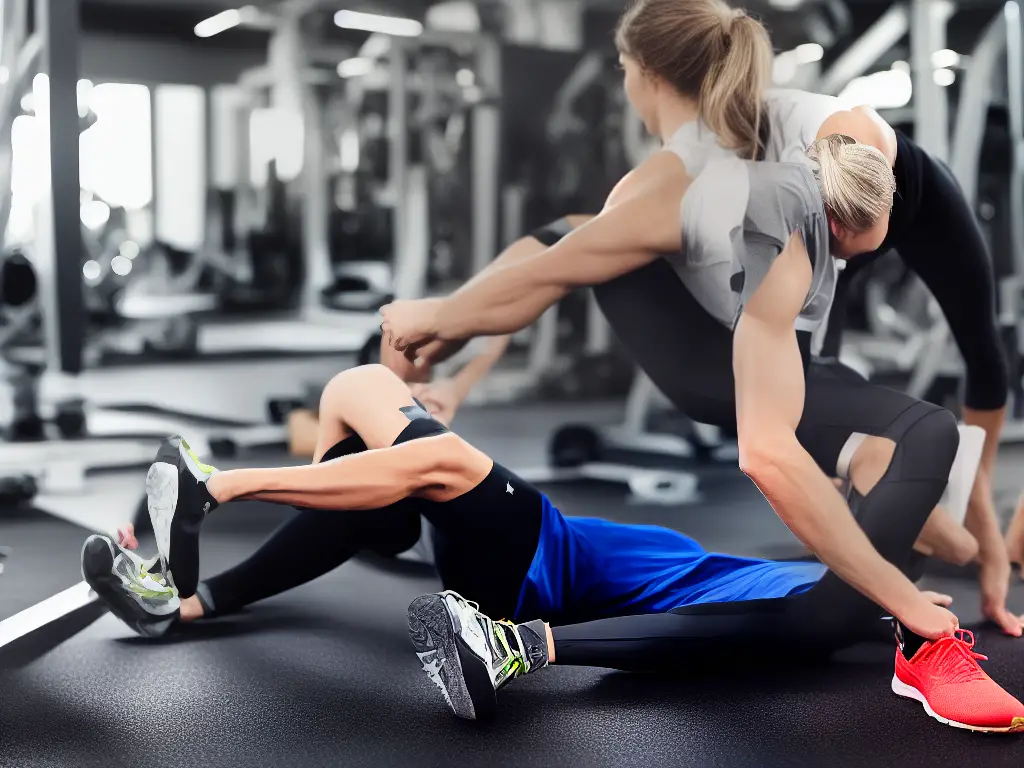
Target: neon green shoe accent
140, 588
206, 469
513, 665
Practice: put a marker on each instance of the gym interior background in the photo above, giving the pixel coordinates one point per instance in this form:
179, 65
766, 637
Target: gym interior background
203, 206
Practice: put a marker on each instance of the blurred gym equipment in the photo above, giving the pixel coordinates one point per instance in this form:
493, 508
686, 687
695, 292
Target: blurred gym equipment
347, 263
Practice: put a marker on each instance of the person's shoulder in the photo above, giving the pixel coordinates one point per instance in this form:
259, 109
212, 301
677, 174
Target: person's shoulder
782, 98
662, 166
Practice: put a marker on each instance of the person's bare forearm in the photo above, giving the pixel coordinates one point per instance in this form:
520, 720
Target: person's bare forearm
992, 422
525, 247
499, 301
982, 520
509, 298
480, 365
807, 501
368, 480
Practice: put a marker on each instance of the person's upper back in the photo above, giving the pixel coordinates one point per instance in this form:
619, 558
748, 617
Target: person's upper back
737, 216
794, 119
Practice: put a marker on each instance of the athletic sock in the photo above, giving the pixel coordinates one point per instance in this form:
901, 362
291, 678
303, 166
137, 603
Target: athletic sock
908, 642
206, 600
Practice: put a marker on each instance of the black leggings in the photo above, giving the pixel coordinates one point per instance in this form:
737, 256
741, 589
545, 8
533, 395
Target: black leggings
484, 555
665, 330
934, 230
316, 541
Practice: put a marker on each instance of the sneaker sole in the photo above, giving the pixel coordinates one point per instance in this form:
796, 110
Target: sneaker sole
162, 496
449, 663
100, 580
909, 692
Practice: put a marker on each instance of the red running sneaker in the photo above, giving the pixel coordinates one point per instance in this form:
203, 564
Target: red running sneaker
946, 678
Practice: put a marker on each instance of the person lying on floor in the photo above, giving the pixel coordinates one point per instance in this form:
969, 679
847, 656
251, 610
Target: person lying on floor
633, 596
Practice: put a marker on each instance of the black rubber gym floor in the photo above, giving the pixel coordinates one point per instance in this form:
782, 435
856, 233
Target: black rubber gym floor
325, 676
44, 558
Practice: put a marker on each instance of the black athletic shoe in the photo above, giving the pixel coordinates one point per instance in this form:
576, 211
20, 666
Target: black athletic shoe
178, 503
468, 655
132, 588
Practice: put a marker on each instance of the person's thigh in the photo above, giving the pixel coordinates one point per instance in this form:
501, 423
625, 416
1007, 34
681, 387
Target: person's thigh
839, 411
685, 351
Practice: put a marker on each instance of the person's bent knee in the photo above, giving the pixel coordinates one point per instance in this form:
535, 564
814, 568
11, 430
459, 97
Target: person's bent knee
927, 447
931, 444
871, 462
362, 377
355, 387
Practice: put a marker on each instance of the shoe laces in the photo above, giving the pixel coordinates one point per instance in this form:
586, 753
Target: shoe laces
513, 657
958, 659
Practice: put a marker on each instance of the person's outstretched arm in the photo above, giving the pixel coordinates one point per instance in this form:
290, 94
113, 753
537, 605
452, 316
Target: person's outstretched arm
374, 479
769, 404
640, 221
523, 248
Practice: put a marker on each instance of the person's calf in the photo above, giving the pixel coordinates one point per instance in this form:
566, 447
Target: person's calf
1015, 537
944, 538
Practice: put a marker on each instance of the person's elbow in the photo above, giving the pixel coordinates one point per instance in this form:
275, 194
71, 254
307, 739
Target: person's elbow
446, 461
766, 456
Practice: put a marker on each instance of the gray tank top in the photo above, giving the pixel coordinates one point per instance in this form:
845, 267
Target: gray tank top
737, 217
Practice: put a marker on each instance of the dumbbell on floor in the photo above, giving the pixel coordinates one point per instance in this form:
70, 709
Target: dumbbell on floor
70, 419
16, 491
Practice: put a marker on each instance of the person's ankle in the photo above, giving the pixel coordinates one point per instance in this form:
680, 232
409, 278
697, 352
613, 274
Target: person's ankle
217, 486
191, 609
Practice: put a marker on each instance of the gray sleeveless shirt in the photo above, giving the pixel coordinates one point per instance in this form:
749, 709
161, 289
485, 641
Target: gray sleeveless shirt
737, 217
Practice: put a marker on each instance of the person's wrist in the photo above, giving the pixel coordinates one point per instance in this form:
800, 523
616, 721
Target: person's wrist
435, 319
991, 545
900, 595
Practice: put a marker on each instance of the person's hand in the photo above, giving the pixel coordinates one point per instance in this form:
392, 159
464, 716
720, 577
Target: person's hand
438, 351
937, 598
442, 399
406, 369
410, 324
923, 617
994, 574
126, 537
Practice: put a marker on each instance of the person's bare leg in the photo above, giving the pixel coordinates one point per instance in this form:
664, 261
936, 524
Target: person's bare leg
946, 539
342, 411
1015, 537
941, 536
367, 401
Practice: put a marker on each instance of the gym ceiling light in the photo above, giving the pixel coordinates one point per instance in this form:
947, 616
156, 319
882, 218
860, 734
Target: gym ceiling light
357, 67
372, 22
224, 21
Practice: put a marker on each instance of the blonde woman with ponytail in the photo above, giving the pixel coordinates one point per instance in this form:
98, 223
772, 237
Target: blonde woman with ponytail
715, 269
